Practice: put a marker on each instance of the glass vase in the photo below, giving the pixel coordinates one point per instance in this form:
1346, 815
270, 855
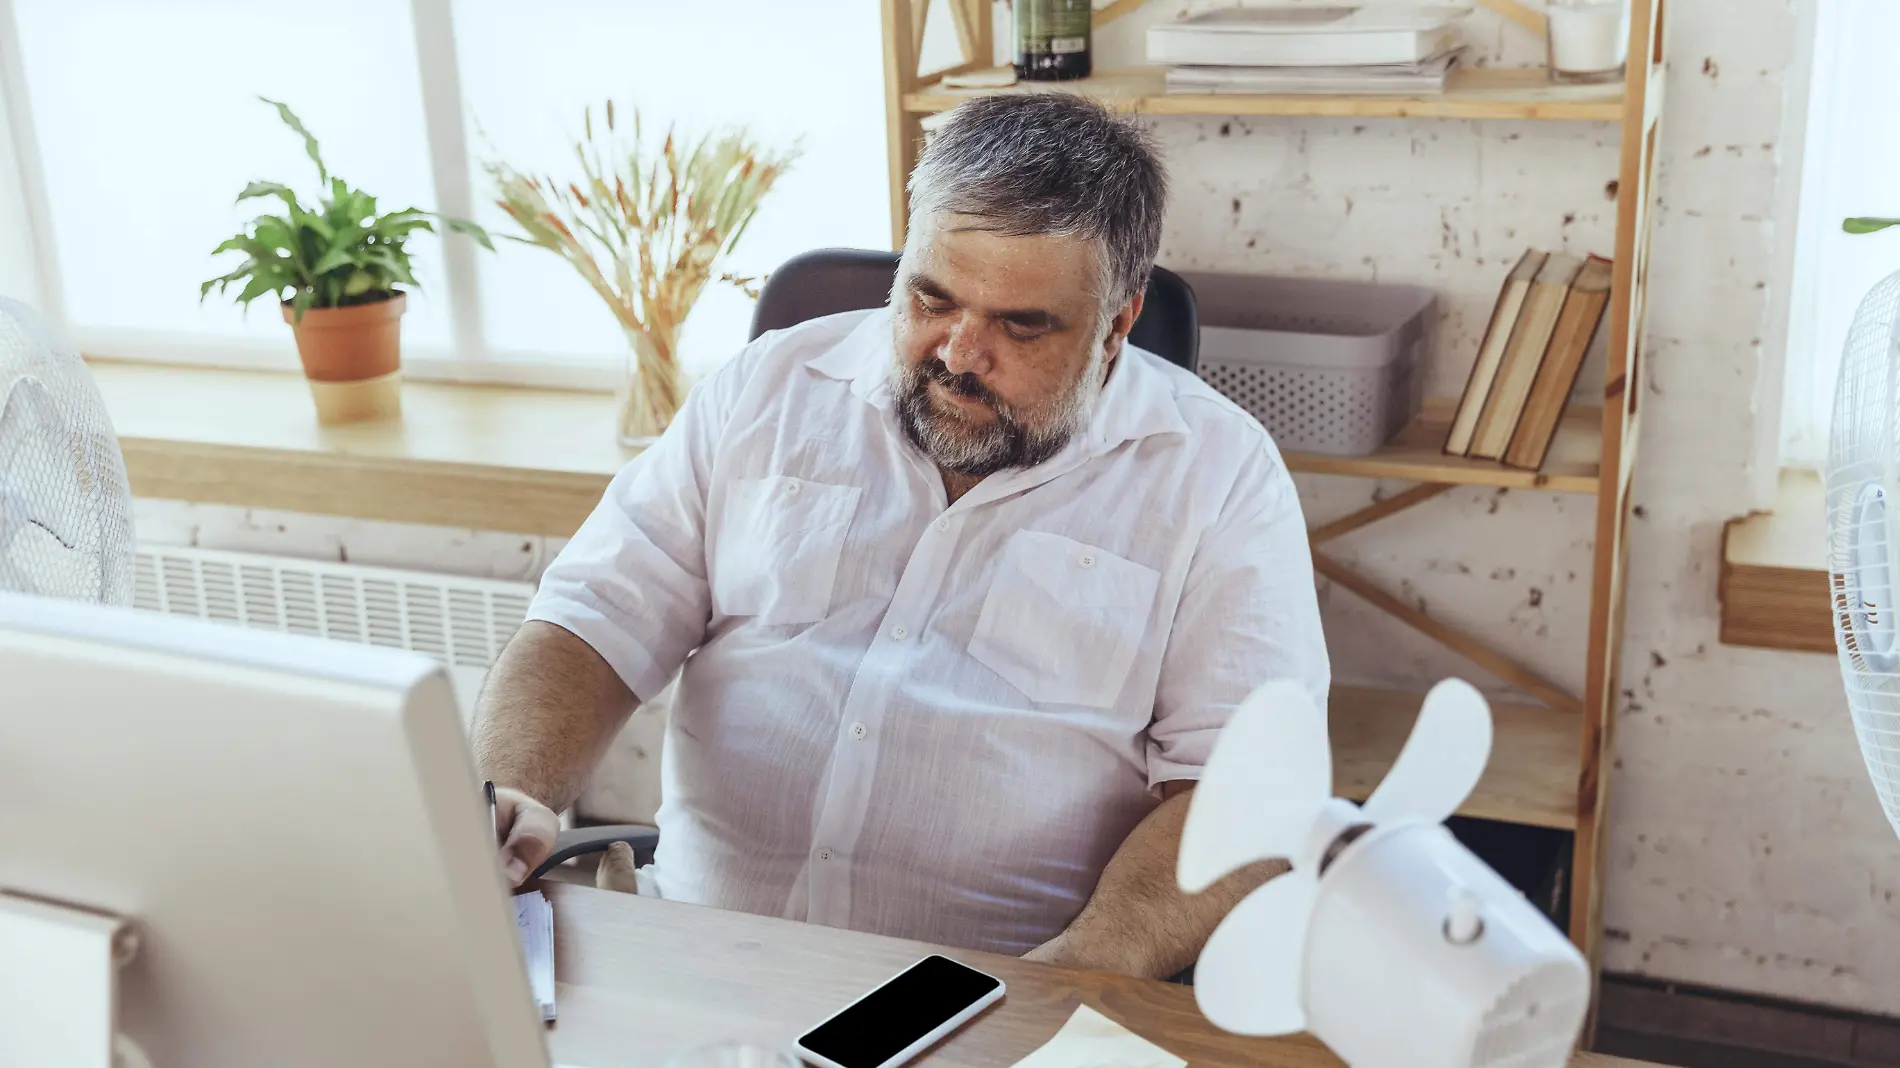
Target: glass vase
651, 389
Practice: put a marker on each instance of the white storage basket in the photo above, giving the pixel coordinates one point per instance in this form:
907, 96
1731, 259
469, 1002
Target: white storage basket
1330, 367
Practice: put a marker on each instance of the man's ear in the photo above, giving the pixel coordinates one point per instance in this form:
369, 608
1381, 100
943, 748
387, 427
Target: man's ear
1123, 322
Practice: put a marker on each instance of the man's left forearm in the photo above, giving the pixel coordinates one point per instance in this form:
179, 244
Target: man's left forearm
1138, 921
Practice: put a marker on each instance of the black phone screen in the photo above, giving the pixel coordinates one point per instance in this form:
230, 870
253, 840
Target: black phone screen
898, 1013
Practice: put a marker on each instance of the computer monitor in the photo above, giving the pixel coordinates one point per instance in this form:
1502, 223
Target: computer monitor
294, 827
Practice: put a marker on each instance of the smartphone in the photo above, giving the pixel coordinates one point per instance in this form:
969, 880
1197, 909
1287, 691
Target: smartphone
903, 1017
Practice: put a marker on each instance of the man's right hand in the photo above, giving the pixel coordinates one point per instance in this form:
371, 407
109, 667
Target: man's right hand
528, 830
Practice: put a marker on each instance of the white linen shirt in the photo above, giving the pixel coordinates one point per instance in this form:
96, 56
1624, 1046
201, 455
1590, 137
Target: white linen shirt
923, 719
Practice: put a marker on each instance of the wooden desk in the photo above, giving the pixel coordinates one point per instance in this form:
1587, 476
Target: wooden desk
642, 979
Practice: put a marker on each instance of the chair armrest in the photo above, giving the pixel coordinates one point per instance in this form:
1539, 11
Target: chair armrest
583, 840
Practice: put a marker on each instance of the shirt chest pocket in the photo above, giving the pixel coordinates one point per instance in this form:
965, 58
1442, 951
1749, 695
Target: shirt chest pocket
1063, 621
778, 548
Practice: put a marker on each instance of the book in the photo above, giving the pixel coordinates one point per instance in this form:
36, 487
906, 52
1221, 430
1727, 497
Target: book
1426, 76
1307, 35
1530, 339
1491, 352
1577, 327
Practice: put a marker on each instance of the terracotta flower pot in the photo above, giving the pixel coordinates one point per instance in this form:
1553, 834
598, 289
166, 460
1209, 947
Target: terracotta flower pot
352, 358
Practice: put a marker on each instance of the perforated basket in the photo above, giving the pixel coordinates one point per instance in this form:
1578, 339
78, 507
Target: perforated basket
1325, 366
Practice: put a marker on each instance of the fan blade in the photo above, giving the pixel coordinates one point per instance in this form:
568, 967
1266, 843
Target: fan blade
1251, 978
1270, 772
1441, 761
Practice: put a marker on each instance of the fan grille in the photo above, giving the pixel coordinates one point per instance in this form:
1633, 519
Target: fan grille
1519, 1031
1863, 462
65, 511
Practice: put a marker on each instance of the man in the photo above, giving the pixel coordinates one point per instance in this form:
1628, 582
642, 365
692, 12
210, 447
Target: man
958, 591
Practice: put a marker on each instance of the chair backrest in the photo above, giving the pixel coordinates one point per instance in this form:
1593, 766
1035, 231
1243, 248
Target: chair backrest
832, 280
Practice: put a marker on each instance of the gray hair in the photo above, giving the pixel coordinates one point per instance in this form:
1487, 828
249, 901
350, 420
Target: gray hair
1055, 164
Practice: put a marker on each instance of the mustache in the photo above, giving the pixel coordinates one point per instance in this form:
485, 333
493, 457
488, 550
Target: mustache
963, 385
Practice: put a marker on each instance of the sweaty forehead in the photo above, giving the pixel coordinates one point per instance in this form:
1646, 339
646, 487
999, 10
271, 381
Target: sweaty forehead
983, 268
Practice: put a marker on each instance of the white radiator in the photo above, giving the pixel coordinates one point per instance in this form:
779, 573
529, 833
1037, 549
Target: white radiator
462, 622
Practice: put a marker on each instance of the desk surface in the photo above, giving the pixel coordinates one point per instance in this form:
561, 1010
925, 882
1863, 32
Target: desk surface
642, 979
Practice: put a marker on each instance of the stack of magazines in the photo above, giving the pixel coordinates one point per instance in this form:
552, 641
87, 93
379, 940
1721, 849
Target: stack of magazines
1305, 48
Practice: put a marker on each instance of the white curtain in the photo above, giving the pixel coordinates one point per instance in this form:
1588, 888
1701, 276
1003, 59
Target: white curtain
1852, 167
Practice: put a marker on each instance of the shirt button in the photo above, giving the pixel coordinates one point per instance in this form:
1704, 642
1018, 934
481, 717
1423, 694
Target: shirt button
1086, 560
824, 854
791, 487
859, 730
900, 632
943, 524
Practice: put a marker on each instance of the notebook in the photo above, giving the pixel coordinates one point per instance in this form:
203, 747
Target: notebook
1426, 76
534, 923
1307, 35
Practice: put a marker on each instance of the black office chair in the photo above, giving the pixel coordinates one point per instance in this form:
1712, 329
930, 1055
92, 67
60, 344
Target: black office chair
833, 280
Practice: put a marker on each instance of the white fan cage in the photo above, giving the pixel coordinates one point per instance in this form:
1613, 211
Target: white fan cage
1863, 510
65, 509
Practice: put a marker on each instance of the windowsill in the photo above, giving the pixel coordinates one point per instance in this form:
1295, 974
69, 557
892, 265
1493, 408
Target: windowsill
532, 461
1774, 578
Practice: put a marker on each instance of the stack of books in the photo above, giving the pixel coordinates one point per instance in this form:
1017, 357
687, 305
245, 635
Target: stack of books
1545, 319
1302, 48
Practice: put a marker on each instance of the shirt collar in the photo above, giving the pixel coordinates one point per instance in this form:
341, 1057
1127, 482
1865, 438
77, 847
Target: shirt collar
1137, 402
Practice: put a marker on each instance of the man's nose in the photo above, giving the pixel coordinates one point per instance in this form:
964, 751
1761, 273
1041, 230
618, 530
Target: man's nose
965, 351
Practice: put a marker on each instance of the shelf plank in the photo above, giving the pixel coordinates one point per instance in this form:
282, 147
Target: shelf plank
1417, 454
1478, 93
1532, 777
1774, 587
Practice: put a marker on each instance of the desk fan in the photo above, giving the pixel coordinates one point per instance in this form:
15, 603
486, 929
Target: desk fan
65, 511
1389, 940
1863, 474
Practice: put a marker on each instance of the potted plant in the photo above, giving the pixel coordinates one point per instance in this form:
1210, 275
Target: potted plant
335, 268
646, 230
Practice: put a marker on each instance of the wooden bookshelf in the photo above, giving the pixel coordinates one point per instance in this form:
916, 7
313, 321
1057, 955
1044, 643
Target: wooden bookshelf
1550, 766
1417, 453
1531, 779
1482, 93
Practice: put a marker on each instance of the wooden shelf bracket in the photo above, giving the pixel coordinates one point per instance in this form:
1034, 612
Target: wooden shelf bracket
1493, 661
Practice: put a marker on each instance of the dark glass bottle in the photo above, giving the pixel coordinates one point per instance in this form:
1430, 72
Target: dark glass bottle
1053, 39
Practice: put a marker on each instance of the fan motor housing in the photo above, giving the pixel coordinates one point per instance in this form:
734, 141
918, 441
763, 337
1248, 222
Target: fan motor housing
1388, 986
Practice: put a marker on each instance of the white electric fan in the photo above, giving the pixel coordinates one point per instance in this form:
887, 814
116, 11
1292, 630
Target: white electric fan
1389, 940
65, 510
1863, 478
65, 531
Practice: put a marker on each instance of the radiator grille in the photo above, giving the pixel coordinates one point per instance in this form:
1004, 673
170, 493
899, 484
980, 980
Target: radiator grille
462, 622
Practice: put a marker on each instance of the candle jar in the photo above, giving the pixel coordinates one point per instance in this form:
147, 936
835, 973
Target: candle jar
1589, 40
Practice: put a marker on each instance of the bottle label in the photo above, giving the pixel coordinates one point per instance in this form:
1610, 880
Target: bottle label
1058, 27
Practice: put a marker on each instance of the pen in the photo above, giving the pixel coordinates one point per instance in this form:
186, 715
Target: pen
488, 788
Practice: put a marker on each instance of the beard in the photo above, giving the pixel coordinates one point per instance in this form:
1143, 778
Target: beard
1015, 438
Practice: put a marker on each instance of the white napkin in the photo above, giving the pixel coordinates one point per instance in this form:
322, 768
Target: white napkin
534, 922
1091, 1040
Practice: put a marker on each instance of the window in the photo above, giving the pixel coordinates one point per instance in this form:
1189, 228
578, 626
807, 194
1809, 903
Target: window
142, 124
1851, 167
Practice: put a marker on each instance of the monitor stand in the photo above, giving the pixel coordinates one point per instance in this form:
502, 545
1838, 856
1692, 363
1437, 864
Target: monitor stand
59, 985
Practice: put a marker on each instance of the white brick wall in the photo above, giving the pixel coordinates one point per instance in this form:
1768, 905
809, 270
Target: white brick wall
1732, 763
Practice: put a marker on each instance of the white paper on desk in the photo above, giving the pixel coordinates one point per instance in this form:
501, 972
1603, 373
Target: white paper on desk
1091, 1040
534, 922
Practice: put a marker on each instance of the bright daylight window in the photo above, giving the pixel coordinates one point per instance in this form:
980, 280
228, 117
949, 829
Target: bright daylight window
1852, 167
147, 125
